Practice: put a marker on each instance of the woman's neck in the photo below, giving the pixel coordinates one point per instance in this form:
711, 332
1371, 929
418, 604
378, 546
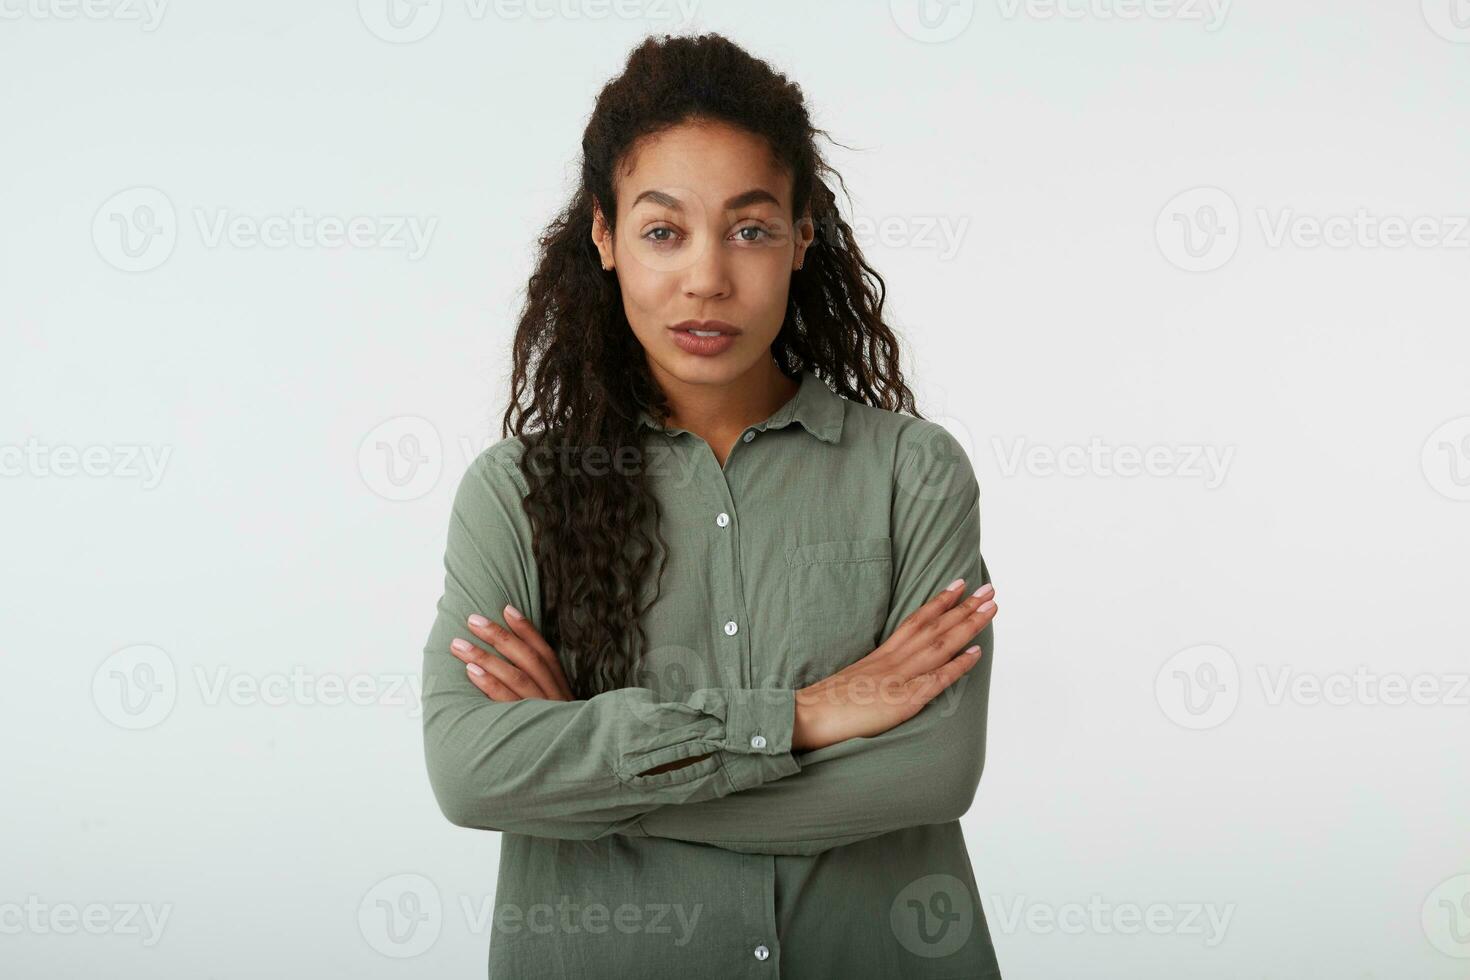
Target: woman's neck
718, 413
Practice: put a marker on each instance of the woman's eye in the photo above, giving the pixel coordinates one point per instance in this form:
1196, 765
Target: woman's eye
663, 235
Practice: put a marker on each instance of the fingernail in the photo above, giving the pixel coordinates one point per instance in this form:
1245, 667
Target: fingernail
985, 589
973, 649
463, 646
475, 669
513, 612
986, 607
479, 621
954, 585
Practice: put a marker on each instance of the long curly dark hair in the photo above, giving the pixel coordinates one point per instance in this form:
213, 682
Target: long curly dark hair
580, 376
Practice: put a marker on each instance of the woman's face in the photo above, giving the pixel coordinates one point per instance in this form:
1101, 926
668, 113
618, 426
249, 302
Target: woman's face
704, 233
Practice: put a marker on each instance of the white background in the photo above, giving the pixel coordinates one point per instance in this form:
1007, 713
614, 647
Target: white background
1024, 165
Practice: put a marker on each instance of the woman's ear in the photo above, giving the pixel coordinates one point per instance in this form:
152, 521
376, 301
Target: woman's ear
805, 235
602, 237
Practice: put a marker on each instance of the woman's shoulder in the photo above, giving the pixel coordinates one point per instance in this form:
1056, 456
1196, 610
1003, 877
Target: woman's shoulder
907, 440
508, 450
498, 466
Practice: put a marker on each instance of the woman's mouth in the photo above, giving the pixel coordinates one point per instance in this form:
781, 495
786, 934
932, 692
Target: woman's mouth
705, 337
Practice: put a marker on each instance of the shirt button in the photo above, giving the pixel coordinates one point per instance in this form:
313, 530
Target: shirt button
730, 628
761, 952
757, 741
749, 436
723, 519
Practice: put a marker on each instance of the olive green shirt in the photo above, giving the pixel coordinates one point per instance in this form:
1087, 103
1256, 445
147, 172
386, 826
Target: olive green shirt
829, 523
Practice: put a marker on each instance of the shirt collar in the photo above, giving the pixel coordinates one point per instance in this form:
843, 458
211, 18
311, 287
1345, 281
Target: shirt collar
815, 405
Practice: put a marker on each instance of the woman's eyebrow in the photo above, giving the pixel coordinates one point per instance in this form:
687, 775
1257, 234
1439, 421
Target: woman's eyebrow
756, 195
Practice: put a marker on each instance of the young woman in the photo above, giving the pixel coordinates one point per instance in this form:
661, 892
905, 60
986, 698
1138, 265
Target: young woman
711, 653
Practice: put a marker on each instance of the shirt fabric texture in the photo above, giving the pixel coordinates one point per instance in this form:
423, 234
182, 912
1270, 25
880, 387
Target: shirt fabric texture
829, 523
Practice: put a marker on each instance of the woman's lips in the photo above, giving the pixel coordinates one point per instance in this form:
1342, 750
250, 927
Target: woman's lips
701, 346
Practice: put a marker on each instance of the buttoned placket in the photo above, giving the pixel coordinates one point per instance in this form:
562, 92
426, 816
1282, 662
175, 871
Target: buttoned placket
728, 524
757, 870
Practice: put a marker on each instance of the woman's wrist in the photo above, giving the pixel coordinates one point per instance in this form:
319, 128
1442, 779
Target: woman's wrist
804, 728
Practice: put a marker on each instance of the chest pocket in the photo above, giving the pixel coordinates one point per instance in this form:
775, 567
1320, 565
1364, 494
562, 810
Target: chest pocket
838, 594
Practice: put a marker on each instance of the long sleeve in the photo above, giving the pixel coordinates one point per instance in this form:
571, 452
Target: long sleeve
567, 769
923, 771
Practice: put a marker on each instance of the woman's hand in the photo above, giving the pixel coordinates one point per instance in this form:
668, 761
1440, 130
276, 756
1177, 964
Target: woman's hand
892, 683
526, 667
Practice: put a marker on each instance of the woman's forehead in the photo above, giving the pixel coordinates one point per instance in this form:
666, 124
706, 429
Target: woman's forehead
712, 162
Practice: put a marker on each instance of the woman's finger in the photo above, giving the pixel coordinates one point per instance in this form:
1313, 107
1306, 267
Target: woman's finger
968, 618
517, 651
507, 674
488, 685
937, 605
940, 632
953, 631
927, 687
523, 628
